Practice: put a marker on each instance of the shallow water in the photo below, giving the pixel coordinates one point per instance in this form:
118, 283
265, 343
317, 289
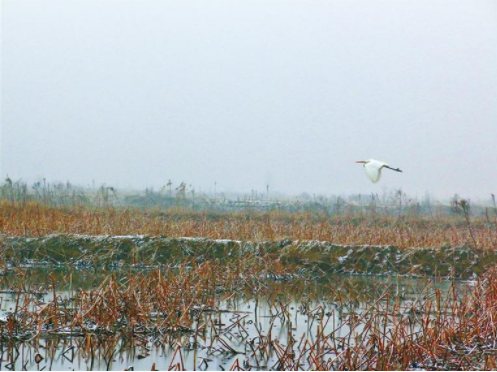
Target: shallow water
250, 329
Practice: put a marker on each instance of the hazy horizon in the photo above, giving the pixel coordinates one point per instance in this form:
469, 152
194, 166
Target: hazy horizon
247, 93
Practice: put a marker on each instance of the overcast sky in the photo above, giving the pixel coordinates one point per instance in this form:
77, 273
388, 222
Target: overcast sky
249, 93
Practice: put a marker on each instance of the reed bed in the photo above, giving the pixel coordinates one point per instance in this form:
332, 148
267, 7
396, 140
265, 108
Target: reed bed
36, 220
192, 316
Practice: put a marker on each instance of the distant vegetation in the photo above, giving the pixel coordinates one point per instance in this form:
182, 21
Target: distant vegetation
185, 197
391, 219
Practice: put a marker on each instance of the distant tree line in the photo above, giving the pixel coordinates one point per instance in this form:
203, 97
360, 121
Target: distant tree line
185, 196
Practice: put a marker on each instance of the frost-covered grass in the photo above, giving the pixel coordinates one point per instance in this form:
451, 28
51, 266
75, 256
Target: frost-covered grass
313, 257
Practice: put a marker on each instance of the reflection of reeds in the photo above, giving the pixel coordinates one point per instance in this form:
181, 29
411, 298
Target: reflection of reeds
451, 331
368, 326
33, 219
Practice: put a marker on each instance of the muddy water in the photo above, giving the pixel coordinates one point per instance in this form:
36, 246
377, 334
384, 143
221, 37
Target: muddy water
237, 330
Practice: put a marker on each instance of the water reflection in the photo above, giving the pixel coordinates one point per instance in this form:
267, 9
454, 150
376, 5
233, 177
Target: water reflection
261, 326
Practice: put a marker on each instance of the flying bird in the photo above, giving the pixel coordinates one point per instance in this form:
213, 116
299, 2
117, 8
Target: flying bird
373, 168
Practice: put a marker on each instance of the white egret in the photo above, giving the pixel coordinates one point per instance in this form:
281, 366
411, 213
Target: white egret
373, 168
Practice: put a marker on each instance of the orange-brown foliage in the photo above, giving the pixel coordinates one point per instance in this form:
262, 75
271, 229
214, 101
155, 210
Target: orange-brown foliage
408, 231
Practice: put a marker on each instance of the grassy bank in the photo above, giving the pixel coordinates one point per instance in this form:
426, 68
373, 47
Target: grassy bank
316, 257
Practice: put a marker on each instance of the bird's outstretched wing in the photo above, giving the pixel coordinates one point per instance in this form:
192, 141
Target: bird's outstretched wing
373, 171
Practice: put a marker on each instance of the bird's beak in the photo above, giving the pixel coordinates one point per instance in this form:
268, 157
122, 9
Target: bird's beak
360, 161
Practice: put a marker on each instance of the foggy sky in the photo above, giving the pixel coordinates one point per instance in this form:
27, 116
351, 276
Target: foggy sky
249, 93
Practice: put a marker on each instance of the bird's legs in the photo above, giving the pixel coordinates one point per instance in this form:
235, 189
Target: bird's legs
394, 169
